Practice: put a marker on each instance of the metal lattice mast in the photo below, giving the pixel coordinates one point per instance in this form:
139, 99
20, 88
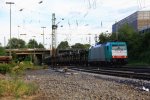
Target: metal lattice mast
54, 27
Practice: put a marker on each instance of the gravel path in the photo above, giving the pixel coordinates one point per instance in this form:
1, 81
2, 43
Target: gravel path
81, 86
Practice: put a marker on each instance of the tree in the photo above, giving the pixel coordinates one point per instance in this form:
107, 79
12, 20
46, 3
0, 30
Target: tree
104, 38
125, 33
40, 46
80, 46
16, 43
32, 44
2, 51
63, 45
87, 46
146, 42
145, 47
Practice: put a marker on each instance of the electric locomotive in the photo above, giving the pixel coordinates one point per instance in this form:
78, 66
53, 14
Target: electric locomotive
109, 53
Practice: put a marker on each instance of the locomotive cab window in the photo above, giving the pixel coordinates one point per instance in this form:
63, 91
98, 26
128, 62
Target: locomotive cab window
118, 47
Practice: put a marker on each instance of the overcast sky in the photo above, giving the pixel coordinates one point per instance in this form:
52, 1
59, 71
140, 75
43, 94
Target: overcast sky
81, 17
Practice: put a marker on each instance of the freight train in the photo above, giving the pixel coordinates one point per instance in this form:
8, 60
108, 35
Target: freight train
109, 53
5, 59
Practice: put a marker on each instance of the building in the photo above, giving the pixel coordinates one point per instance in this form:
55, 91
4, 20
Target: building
139, 20
145, 29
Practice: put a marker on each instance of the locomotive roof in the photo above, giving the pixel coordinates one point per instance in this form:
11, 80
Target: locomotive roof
108, 43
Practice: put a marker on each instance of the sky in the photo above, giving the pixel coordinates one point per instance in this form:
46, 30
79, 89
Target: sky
83, 19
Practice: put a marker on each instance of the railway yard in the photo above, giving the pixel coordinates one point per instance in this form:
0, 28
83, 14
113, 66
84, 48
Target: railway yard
76, 85
79, 57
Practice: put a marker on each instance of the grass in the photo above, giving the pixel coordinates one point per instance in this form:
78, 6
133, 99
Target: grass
17, 68
4, 68
17, 88
138, 64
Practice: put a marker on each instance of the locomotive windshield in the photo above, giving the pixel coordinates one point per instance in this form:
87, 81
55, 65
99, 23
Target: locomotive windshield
118, 47
119, 51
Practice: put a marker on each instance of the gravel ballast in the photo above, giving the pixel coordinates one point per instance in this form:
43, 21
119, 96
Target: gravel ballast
72, 85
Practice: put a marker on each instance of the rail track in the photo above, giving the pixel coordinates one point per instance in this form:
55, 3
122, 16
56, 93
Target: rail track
135, 73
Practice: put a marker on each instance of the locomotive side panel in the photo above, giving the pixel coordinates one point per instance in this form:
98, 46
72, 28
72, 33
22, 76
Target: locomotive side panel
97, 53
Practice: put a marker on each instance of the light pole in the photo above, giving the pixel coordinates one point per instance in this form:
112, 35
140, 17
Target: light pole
43, 45
89, 38
18, 38
10, 3
18, 31
34, 44
49, 46
34, 50
43, 34
4, 41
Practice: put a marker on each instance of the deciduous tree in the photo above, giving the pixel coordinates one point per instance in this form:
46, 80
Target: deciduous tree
16, 43
63, 45
32, 44
2, 51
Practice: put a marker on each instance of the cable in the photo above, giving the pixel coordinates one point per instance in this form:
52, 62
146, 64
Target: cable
94, 4
89, 4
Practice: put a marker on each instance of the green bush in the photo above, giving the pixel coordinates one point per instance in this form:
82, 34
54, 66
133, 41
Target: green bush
4, 68
2, 51
16, 88
22, 88
27, 58
18, 68
145, 57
